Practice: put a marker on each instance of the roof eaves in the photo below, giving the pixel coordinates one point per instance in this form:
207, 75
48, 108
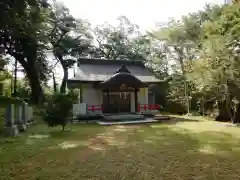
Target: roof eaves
110, 62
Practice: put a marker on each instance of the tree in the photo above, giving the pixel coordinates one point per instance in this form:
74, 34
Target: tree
121, 42
182, 43
22, 32
223, 45
58, 110
2, 73
175, 39
69, 38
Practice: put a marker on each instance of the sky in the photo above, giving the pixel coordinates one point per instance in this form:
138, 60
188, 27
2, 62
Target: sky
144, 13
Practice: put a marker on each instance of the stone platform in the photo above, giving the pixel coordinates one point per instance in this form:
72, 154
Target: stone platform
117, 119
127, 122
123, 117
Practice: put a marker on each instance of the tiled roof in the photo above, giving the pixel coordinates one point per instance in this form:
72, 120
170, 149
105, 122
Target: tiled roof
99, 70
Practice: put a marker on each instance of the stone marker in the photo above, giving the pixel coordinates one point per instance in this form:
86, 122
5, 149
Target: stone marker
30, 115
19, 119
10, 128
25, 114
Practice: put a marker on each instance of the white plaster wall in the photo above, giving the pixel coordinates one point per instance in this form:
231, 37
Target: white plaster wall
79, 109
90, 95
143, 97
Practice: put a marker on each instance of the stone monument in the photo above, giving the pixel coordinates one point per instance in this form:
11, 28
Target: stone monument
25, 113
19, 119
10, 128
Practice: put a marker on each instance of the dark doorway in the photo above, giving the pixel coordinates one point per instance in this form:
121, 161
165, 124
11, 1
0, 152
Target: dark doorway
118, 102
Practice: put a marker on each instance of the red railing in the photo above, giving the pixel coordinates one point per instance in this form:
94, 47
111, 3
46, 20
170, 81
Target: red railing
148, 107
99, 107
95, 107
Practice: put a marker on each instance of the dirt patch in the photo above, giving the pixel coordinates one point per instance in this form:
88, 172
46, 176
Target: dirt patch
113, 136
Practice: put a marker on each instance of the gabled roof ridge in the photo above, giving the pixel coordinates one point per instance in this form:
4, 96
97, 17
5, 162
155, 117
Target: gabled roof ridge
110, 61
122, 69
116, 80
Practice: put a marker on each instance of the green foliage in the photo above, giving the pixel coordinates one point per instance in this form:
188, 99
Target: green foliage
200, 51
58, 110
23, 34
204, 48
124, 41
196, 49
73, 95
69, 39
175, 108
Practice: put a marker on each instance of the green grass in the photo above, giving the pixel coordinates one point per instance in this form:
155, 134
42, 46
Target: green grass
190, 149
193, 117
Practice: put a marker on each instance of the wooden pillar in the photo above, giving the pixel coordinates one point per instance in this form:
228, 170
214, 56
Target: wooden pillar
132, 102
108, 101
146, 95
136, 99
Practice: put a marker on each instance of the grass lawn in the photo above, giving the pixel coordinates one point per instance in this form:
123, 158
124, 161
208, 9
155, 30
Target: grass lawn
174, 150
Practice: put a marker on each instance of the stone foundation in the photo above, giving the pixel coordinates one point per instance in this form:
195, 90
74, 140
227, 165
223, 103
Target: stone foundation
11, 131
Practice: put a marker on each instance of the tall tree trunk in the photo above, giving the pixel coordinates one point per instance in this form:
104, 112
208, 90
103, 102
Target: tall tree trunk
236, 109
54, 83
64, 80
236, 116
15, 79
229, 108
33, 78
187, 102
223, 114
34, 81
202, 103
185, 80
63, 127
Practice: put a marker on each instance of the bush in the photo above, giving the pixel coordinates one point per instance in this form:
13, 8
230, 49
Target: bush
174, 107
73, 95
58, 110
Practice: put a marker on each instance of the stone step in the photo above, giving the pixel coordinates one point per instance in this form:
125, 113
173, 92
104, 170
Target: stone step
124, 117
127, 122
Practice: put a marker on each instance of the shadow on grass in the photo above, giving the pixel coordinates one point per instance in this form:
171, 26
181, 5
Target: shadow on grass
187, 155
155, 151
41, 135
173, 120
